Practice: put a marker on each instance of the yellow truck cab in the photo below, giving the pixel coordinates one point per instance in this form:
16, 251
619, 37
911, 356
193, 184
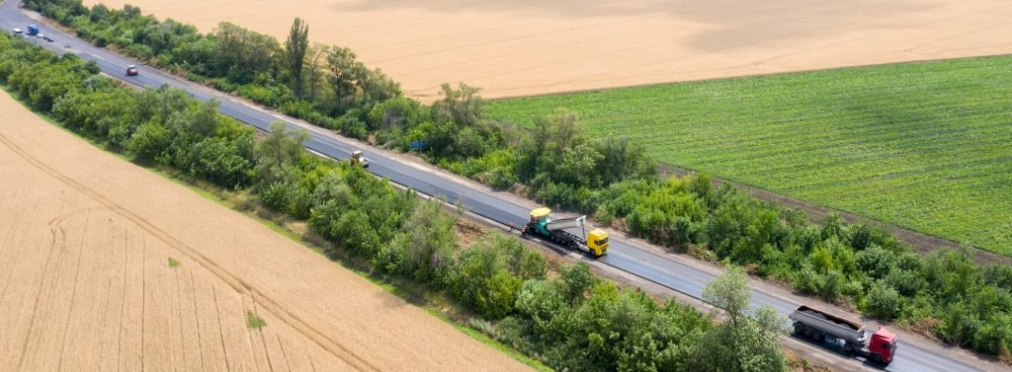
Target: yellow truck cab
597, 242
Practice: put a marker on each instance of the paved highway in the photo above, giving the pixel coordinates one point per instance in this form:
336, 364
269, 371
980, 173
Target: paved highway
647, 264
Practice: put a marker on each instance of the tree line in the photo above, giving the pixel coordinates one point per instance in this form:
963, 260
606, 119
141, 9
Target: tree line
570, 321
314, 82
944, 294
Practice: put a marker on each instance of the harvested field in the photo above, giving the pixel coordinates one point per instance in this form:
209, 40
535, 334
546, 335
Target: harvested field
86, 282
516, 48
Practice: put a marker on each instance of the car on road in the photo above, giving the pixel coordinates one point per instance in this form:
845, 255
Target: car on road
132, 70
18, 32
47, 38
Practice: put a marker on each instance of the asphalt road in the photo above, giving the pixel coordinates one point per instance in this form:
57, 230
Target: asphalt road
647, 264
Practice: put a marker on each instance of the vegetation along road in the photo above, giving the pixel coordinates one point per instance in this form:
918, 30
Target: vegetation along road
642, 262
923, 146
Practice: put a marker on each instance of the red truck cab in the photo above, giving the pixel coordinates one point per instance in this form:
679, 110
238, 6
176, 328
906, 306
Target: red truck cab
882, 346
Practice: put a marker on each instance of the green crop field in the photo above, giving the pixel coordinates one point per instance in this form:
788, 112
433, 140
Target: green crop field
927, 146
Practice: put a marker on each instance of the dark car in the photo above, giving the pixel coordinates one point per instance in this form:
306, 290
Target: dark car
131, 70
47, 38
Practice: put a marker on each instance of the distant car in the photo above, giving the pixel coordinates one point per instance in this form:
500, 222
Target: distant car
18, 31
47, 38
132, 70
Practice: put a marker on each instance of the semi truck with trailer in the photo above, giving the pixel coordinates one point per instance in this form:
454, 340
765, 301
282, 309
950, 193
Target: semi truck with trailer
817, 325
542, 225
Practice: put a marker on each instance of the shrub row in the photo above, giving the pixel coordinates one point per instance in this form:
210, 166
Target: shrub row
558, 164
572, 322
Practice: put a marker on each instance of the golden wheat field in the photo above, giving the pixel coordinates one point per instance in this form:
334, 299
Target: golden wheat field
525, 47
86, 282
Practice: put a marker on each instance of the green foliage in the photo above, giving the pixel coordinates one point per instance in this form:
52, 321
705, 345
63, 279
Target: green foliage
428, 241
161, 125
731, 293
576, 280
623, 159
353, 231
253, 321
462, 105
915, 145
149, 140
746, 341
244, 56
607, 330
883, 302
353, 84
233, 59
296, 47
995, 335
488, 276
557, 162
397, 113
222, 161
277, 153
874, 261
831, 286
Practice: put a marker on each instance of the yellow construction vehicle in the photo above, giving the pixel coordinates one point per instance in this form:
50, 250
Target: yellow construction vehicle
358, 159
544, 226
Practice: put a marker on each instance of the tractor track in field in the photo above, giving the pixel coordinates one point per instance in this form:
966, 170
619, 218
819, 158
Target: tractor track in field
338, 350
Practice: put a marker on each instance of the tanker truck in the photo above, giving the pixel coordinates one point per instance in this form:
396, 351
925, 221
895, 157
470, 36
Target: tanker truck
542, 225
879, 347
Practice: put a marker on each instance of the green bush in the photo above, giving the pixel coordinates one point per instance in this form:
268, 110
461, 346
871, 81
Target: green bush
276, 196
556, 162
352, 127
874, 261
557, 321
883, 302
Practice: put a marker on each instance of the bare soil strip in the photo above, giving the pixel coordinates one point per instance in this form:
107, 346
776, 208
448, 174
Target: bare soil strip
90, 287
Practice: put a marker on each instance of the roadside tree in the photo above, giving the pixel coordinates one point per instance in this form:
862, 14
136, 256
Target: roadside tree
746, 341
296, 48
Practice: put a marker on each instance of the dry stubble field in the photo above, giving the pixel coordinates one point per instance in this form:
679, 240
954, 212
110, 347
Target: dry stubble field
525, 47
85, 283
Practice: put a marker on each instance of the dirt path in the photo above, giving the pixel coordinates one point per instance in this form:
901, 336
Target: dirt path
525, 47
86, 282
